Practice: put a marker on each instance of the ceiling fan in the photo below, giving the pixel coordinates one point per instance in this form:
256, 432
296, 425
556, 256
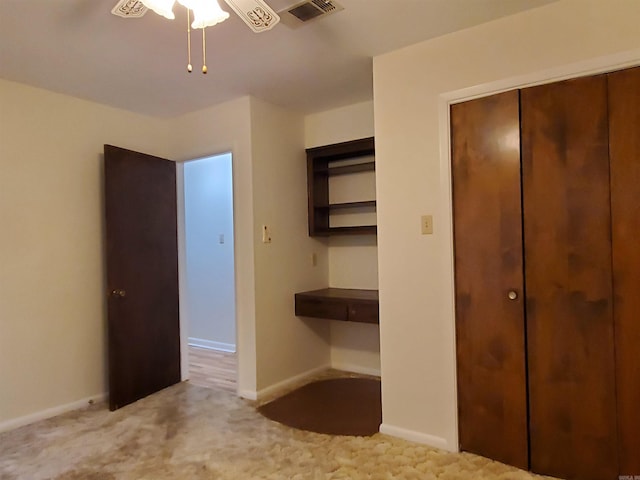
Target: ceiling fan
255, 13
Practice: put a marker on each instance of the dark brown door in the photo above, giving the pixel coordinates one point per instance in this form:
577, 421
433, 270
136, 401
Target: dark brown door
624, 139
567, 225
142, 275
489, 286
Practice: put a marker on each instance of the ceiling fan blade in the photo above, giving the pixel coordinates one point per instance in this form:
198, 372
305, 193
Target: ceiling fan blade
129, 9
255, 13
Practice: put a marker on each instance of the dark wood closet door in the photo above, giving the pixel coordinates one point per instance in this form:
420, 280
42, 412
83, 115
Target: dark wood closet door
488, 266
624, 138
567, 225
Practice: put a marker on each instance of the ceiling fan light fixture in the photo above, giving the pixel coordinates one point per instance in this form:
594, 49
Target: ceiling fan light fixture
161, 7
206, 13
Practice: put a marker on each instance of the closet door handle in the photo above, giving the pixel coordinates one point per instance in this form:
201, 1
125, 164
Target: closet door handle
512, 295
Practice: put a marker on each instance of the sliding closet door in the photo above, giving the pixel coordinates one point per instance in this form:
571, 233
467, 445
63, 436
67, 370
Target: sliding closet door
488, 270
567, 225
624, 135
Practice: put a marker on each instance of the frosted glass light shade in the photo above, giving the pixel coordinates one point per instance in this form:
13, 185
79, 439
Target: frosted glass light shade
161, 7
206, 13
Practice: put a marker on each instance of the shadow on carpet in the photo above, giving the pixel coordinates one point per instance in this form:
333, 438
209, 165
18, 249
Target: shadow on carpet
339, 406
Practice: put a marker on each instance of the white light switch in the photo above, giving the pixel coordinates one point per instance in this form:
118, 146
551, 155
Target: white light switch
427, 224
221, 238
266, 234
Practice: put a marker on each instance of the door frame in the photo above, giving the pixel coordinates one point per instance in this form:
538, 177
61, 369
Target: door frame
182, 264
589, 67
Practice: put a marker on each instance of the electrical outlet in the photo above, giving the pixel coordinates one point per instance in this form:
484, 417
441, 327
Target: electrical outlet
427, 224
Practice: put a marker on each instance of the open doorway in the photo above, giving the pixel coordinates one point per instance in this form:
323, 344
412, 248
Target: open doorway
208, 276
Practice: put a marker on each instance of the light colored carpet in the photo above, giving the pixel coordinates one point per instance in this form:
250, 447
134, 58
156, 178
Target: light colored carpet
189, 432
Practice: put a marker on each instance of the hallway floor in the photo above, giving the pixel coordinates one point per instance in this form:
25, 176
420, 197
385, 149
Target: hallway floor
213, 369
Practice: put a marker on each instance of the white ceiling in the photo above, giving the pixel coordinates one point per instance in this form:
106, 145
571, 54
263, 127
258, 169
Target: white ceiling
79, 48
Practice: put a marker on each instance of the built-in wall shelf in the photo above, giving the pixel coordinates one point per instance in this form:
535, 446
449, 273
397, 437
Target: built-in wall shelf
345, 169
346, 304
328, 161
356, 230
341, 206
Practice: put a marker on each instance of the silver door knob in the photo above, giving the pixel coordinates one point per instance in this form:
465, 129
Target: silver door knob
512, 295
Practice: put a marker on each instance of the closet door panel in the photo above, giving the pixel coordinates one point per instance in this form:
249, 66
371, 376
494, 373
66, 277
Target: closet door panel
488, 264
624, 139
567, 230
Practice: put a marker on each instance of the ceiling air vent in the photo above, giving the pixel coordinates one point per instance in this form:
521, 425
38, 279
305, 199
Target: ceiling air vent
308, 10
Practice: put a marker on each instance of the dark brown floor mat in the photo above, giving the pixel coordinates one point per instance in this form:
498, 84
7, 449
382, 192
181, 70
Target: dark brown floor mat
339, 406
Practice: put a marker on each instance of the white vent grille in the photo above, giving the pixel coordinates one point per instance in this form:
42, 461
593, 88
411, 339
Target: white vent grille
307, 11
129, 9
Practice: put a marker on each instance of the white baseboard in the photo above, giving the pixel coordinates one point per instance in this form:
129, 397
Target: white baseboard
351, 367
287, 382
50, 412
211, 345
248, 394
418, 437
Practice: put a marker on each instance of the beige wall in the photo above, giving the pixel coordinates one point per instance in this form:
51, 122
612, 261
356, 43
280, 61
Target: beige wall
269, 188
220, 129
416, 293
52, 289
286, 345
339, 125
353, 261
